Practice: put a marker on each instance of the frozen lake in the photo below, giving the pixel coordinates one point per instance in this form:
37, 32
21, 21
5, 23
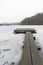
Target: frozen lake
14, 42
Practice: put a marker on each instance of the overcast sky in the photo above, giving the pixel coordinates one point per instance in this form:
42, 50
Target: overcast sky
16, 10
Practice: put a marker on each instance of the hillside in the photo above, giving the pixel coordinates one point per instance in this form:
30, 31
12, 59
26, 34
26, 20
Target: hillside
34, 20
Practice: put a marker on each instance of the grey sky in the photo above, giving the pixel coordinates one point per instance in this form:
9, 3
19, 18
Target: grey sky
16, 10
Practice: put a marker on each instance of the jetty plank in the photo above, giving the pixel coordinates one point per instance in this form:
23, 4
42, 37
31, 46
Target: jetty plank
36, 60
26, 57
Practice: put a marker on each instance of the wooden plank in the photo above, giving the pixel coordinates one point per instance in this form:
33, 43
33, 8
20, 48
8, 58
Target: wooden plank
26, 57
36, 60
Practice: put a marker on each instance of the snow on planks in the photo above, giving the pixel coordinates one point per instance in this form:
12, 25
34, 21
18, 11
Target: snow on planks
30, 54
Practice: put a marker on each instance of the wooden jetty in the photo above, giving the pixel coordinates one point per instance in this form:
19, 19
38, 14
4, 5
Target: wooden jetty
24, 30
30, 54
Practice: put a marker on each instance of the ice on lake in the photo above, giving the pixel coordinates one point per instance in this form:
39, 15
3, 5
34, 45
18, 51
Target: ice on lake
14, 42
